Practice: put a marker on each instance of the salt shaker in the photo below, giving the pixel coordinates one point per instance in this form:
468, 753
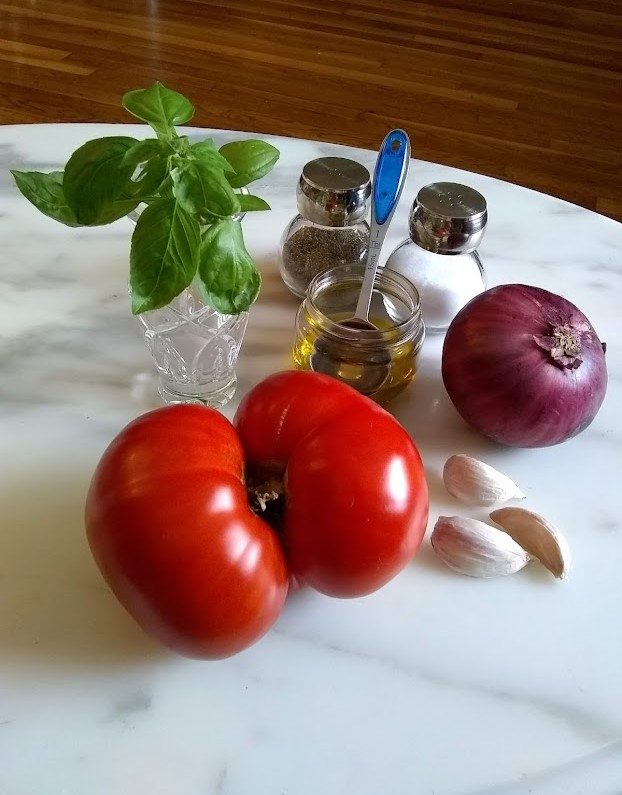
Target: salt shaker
447, 223
332, 196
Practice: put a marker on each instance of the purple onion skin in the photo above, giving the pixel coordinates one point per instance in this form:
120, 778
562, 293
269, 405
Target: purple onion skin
500, 370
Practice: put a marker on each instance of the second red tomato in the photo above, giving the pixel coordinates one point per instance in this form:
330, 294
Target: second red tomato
356, 497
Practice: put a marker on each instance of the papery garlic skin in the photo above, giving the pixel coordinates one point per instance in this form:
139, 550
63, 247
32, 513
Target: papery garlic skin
473, 482
476, 549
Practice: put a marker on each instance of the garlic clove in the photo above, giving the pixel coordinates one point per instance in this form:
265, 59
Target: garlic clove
477, 483
475, 548
536, 536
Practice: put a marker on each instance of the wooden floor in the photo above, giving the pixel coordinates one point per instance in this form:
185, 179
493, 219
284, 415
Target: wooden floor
529, 91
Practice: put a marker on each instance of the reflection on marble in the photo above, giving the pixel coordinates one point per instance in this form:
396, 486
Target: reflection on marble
437, 684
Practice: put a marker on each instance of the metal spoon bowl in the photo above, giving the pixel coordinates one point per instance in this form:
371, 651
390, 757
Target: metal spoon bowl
365, 371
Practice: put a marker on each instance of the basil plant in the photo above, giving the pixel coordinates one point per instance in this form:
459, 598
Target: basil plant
189, 194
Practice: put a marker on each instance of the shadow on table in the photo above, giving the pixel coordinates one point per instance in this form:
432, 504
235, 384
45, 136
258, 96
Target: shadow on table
54, 605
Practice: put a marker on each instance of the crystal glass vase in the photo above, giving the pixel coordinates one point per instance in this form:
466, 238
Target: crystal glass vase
195, 349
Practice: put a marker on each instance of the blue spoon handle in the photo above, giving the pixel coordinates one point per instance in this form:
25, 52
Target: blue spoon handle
389, 177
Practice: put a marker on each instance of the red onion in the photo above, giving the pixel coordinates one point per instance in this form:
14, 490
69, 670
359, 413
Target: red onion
524, 366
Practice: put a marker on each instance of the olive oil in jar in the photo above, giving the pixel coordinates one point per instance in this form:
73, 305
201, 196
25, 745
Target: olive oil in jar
402, 364
391, 351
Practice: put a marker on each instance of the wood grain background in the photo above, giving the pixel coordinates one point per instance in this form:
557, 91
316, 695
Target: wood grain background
529, 91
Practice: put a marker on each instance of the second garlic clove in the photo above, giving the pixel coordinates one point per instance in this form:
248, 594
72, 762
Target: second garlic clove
475, 548
537, 536
476, 483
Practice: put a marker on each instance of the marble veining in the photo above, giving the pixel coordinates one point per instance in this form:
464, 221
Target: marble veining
130, 705
435, 685
577, 719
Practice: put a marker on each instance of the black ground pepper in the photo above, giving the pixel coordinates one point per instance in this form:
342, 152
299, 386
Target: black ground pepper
312, 250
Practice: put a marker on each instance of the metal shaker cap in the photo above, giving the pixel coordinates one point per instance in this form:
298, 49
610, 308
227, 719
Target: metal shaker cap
333, 191
448, 218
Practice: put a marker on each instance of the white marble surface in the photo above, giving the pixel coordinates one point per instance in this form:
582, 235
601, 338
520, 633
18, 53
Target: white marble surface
436, 685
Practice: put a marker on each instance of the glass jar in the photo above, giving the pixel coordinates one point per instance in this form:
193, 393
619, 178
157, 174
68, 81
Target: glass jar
330, 229
447, 222
379, 363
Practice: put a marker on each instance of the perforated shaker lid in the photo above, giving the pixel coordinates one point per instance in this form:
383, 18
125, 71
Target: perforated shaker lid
448, 218
334, 191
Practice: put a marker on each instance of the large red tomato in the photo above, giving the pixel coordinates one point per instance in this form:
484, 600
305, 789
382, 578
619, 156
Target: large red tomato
356, 498
169, 523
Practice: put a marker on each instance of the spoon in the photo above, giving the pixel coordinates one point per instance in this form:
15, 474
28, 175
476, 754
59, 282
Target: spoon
339, 359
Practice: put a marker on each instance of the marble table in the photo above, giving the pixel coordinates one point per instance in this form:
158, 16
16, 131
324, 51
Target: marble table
436, 685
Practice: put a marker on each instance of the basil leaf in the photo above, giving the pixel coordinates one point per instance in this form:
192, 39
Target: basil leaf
201, 188
206, 152
160, 107
45, 191
143, 151
251, 160
97, 182
164, 255
180, 144
227, 272
250, 203
166, 190
149, 180
151, 158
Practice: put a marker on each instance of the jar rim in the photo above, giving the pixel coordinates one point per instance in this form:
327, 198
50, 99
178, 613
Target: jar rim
393, 283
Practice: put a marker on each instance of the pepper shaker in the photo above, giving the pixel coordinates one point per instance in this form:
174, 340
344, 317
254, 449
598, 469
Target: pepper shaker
332, 196
447, 222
